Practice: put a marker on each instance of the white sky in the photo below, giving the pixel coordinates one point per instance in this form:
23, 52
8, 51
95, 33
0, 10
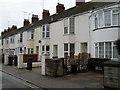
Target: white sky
12, 11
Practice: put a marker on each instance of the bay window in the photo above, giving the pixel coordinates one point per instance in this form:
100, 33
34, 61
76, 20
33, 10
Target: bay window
107, 17
115, 18
105, 50
101, 20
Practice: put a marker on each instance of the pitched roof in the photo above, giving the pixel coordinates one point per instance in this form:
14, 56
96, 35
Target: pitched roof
66, 13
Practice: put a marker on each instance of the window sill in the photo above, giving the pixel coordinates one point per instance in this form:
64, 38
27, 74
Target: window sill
46, 38
104, 27
68, 34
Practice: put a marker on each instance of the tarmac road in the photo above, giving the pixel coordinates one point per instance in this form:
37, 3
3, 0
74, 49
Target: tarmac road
11, 82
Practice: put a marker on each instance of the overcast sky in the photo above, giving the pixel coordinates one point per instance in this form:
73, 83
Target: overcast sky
13, 12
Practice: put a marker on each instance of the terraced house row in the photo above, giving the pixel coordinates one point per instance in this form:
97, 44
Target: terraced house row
90, 27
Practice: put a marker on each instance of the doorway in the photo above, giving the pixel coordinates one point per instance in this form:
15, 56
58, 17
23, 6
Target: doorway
84, 47
55, 50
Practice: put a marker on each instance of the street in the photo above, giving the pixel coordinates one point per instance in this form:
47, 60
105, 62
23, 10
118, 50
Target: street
11, 82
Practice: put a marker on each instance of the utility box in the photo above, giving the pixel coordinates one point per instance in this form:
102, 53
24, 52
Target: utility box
111, 77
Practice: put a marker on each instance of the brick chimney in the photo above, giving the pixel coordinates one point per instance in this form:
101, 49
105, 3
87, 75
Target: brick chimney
34, 18
9, 29
45, 13
60, 8
26, 22
14, 27
5, 31
79, 2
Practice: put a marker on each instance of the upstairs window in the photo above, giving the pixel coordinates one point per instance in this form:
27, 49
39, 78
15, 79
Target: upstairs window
46, 31
107, 17
115, 15
96, 21
101, 20
66, 26
32, 34
69, 25
21, 37
72, 24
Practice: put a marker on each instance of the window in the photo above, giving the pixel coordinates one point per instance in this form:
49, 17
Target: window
101, 50
115, 15
46, 31
21, 37
101, 23
72, 47
69, 49
65, 49
96, 50
96, 21
45, 49
32, 34
107, 17
7, 40
66, 26
12, 39
43, 34
115, 53
71, 25
20, 50
106, 50
30, 51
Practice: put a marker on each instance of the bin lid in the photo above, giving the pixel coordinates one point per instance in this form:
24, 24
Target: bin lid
112, 63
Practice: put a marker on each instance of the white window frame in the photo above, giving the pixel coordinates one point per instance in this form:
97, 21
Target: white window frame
46, 31
112, 49
45, 49
69, 25
68, 49
115, 14
107, 22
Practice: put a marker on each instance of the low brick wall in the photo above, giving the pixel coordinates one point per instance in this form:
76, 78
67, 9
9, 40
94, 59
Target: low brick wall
27, 56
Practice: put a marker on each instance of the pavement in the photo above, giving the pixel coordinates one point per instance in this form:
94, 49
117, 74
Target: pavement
80, 80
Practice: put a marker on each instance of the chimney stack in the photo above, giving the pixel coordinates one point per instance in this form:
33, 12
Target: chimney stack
79, 2
26, 22
34, 18
9, 29
60, 8
45, 13
14, 27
